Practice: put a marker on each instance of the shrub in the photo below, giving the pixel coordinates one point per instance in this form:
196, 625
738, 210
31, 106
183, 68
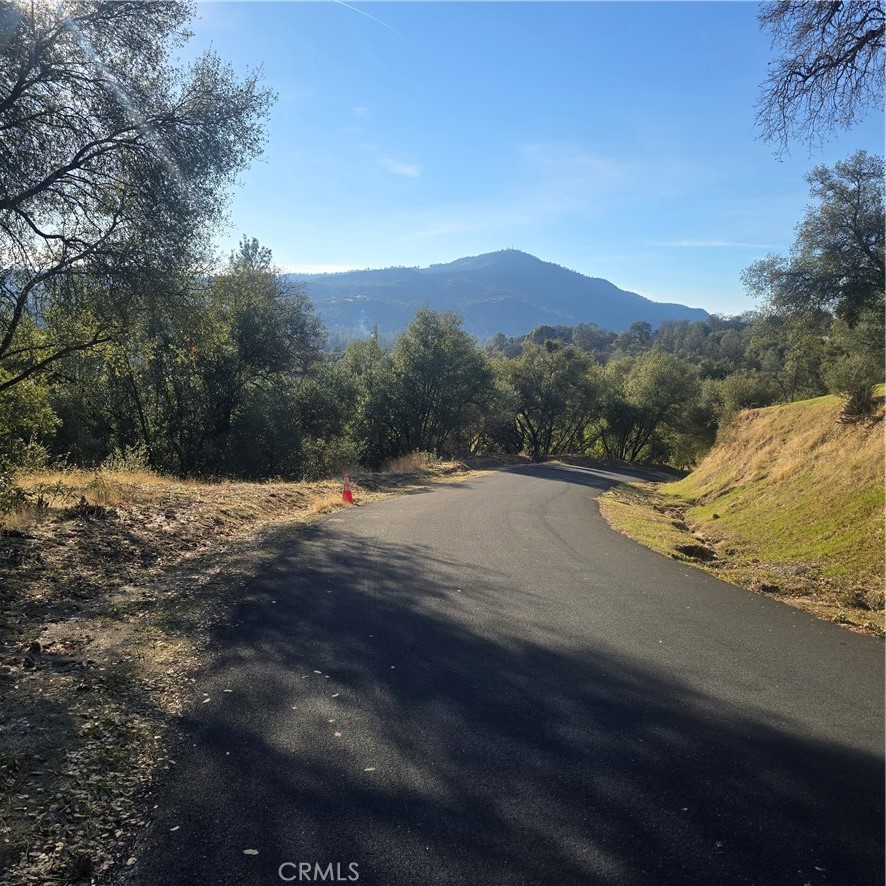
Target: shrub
860, 405
854, 377
322, 459
133, 460
12, 496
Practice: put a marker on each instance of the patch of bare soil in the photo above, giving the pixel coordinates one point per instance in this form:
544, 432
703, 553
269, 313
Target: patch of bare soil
108, 591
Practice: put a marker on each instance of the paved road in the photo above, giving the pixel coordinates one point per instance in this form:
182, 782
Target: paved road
483, 684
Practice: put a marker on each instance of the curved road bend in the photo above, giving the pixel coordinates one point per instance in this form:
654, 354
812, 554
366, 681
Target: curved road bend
484, 684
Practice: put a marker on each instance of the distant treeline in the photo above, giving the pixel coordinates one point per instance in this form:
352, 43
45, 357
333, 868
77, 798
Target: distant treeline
237, 379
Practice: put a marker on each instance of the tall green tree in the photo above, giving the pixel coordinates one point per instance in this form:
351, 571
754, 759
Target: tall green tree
595, 341
637, 339
373, 406
439, 382
554, 397
643, 398
212, 387
251, 339
114, 164
837, 261
788, 351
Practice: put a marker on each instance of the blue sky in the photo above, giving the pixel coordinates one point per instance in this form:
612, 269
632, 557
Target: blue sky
616, 139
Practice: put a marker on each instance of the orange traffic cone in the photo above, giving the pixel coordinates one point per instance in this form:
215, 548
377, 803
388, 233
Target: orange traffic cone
346, 494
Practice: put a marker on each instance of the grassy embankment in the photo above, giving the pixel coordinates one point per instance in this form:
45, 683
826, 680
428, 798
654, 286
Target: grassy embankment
789, 503
110, 585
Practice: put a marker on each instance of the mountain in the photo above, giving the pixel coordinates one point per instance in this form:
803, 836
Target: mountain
508, 291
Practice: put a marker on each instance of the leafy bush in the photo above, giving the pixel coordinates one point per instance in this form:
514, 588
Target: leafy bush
12, 496
132, 460
860, 405
746, 389
854, 377
328, 458
24, 414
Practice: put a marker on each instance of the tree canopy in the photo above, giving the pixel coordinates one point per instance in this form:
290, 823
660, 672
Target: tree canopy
439, 378
554, 396
113, 164
837, 260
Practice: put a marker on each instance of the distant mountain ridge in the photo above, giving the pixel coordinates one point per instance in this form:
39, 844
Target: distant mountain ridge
507, 291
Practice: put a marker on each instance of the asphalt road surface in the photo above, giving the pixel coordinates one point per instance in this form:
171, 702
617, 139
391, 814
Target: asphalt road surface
484, 684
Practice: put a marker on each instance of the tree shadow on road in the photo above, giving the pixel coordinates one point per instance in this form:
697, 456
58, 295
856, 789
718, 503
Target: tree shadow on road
446, 745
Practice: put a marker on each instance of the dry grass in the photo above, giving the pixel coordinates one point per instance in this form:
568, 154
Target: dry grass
412, 461
110, 583
789, 503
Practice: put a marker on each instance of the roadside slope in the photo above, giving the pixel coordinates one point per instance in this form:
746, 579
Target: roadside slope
789, 503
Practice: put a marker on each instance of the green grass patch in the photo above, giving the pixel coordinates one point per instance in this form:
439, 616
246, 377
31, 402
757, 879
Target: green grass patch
790, 503
640, 511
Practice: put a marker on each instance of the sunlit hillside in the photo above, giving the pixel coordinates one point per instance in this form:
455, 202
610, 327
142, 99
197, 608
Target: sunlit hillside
789, 502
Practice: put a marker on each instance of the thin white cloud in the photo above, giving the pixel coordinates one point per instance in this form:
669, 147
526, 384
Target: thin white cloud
568, 175
296, 92
711, 244
377, 20
557, 179
572, 161
472, 220
398, 167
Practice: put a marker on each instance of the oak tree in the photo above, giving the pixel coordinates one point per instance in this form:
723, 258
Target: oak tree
114, 163
837, 260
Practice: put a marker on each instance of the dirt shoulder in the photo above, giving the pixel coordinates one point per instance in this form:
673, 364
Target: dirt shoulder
788, 503
109, 585
664, 523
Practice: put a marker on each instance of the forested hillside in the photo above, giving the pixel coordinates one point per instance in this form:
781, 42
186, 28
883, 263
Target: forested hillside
506, 291
237, 380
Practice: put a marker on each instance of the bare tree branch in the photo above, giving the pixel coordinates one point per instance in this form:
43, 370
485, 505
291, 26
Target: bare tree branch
829, 72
